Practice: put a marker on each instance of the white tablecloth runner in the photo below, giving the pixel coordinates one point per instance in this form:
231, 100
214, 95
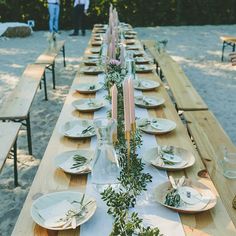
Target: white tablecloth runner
152, 213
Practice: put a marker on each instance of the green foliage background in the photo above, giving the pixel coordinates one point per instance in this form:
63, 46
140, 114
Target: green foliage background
137, 12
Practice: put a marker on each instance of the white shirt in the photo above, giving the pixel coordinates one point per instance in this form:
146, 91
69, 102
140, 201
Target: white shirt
85, 2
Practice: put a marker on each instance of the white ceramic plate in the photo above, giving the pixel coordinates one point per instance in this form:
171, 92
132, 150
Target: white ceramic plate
143, 68
137, 53
130, 36
51, 199
92, 70
206, 201
96, 43
65, 161
77, 128
93, 56
131, 32
159, 157
129, 42
92, 62
99, 31
142, 60
156, 125
88, 87
148, 102
132, 47
88, 104
95, 50
145, 85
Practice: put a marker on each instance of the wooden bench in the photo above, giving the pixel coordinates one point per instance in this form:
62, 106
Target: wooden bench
208, 135
232, 57
227, 41
49, 56
185, 95
17, 105
8, 140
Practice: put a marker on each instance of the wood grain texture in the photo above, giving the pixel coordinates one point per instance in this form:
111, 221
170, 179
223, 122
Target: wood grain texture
49, 179
18, 104
8, 135
50, 54
184, 93
209, 137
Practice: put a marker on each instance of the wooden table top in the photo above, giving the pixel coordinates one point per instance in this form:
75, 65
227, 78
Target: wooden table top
50, 179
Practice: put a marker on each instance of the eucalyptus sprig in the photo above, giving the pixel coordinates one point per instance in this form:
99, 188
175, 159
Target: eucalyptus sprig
133, 181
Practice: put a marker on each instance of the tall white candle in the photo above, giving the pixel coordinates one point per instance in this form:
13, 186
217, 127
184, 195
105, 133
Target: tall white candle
126, 106
131, 100
114, 102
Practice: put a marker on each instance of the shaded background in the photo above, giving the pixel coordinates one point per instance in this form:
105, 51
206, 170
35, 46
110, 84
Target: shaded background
139, 12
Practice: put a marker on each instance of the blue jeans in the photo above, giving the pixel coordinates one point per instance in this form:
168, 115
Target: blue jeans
54, 10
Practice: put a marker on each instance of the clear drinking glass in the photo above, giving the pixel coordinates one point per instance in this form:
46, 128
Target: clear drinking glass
228, 163
106, 168
130, 64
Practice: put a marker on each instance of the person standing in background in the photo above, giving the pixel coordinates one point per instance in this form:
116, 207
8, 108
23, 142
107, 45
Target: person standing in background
54, 10
79, 14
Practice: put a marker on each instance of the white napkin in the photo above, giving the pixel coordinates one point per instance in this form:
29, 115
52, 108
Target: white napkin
75, 131
54, 213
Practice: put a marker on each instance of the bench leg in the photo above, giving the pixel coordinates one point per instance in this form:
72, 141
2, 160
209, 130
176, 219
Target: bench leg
53, 75
15, 164
64, 55
223, 49
45, 86
29, 134
161, 74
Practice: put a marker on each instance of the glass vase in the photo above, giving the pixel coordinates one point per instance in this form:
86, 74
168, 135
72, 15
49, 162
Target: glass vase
105, 171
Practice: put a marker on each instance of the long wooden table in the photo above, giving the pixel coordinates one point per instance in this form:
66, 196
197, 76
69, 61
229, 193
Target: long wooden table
49, 179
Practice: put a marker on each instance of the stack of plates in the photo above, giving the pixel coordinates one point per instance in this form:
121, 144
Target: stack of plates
88, 104
148, 102
194, 196
78, 129
145, 85
169, 157
156, 125
87, 88
63, 210
67, 161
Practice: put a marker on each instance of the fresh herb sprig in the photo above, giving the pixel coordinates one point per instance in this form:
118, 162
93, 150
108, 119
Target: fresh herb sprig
88, 129
79, 161
132, 178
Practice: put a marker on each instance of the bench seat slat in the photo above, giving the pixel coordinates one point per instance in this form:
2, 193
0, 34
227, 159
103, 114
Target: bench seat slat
208, 135
18, 104
186, 97
8, 134
48, 57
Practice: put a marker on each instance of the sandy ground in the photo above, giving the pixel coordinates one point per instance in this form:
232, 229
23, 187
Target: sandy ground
196, 48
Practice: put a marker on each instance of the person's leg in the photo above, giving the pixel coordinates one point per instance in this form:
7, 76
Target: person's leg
75, 21
83, 23
81, 18
56, 18
51, 16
